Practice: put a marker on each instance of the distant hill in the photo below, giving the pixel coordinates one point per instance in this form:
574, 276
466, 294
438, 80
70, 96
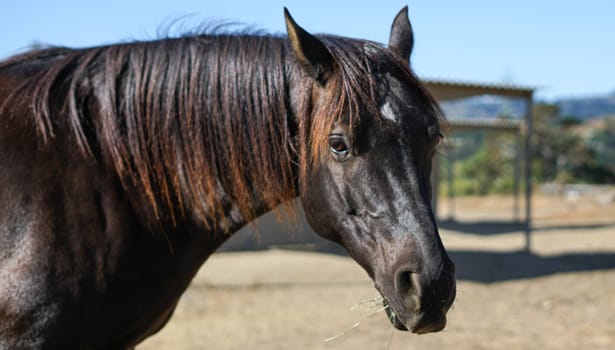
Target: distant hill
587, 108
582, 108
484, 107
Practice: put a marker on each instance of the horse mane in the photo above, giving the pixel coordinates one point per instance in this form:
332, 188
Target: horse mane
202, 123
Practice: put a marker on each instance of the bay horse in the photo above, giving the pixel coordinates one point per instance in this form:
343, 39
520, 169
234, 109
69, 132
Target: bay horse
124, 167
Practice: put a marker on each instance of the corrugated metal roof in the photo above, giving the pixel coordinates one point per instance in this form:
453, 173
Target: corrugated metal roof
484, 123
451, 90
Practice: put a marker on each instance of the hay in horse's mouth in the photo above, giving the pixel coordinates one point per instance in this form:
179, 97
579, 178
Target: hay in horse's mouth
393, 316
372, 312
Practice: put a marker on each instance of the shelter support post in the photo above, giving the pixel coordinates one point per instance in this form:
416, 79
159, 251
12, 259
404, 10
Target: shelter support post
528, 172
450, 177
435, 185
517, 175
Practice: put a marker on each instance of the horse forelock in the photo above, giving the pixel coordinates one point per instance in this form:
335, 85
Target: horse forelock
351, 94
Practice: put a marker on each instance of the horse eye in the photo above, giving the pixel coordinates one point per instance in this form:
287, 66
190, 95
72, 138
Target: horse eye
338, 146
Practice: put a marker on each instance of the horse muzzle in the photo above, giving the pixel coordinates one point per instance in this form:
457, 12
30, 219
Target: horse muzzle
419, 323
418, 304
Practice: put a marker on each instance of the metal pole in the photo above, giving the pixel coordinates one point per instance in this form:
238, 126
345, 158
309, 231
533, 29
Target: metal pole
517, 174
528, 173
450, 179
435, 184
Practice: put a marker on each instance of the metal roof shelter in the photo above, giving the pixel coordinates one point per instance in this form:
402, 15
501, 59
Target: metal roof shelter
452, 90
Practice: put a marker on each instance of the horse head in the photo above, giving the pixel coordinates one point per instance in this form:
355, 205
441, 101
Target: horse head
366, 182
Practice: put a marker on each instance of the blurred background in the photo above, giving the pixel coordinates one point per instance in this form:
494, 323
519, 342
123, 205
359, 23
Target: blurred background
525, 182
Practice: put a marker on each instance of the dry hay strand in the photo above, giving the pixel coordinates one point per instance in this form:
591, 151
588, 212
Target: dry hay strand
374, 307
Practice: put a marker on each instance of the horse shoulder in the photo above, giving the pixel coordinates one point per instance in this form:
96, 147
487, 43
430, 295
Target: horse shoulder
78, 264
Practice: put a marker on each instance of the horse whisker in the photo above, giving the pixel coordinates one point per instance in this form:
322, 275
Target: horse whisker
391, 339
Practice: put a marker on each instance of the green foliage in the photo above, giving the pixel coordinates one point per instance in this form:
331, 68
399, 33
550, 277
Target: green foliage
489, 168
560, 154
481, 170
485, 161
603, 143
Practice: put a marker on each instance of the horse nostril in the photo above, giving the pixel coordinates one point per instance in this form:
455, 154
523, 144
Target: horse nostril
407, 283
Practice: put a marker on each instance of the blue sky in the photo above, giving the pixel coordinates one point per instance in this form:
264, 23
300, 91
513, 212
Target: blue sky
564, 48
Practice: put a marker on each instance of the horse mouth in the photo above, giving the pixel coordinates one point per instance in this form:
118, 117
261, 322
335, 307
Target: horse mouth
392, 316
419, 323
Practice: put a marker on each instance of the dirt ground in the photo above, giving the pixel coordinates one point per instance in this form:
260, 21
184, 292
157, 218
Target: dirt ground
561, 295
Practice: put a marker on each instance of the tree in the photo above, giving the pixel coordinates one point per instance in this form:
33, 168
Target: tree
545, 136
603, 143
561, 155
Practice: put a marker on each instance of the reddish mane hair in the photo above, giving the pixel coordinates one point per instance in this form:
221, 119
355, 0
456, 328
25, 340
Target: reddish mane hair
204, 123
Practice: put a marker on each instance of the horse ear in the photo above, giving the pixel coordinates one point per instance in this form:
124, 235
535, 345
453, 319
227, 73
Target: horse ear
401, 40
311, 53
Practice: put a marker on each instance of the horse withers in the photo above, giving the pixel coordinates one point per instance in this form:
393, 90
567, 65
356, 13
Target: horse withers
125, 166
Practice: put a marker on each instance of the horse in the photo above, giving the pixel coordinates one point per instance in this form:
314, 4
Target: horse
124, 167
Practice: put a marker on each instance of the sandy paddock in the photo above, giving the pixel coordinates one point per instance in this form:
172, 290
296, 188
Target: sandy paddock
559, 296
